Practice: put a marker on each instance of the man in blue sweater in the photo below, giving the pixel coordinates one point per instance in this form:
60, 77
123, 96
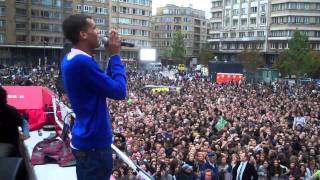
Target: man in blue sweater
88, 87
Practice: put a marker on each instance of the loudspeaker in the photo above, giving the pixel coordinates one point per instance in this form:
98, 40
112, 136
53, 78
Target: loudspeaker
13, 168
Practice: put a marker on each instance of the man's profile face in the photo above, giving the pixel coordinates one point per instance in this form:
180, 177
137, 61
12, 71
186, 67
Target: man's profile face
91, 35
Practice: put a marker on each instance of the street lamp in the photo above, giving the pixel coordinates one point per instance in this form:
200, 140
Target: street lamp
44, 53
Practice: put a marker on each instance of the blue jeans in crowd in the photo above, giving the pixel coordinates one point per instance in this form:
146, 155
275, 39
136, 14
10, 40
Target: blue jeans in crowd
95, 164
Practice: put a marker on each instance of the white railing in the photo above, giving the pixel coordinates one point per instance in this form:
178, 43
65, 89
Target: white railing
64, 110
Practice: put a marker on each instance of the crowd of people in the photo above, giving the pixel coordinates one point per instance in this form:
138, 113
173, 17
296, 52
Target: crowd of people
203, 130
175, 134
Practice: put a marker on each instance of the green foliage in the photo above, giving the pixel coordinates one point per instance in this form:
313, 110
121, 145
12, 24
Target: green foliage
166, 54
178, 48
251, 60
205, 54
298, 60
313, 65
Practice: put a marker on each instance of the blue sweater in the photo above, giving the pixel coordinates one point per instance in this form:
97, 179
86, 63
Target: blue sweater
88, 87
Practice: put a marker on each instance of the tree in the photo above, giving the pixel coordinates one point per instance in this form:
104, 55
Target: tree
251, 60
295, 60
313, 65
166, 54
205, 54
177, 48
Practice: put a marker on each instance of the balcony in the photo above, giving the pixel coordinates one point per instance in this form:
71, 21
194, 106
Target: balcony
215, 9
197, 30
244, 39
216, 19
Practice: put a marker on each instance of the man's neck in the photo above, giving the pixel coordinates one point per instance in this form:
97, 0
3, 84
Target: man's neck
84, 49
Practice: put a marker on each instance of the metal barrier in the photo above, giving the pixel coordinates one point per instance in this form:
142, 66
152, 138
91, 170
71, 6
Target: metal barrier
65, 111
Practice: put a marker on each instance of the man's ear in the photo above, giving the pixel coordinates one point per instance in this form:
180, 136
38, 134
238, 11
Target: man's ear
83, 35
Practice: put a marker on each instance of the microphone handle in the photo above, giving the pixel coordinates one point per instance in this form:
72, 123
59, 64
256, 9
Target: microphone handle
126, 44
104, 40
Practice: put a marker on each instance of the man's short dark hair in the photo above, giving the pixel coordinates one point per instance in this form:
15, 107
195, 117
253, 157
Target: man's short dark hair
72, 26
3, 96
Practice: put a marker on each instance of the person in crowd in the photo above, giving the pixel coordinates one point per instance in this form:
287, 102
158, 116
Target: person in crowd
10, 121
244, 170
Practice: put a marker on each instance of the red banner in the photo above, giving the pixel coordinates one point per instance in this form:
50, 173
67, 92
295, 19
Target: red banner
31, 100
25, 97
228, 77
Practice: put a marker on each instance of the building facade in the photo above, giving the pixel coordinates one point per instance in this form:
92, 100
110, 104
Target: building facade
191, 22
31, 30
261, 25
132, 19
288, 15
238, 25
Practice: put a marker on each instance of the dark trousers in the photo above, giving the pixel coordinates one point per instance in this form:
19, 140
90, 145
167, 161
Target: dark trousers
95, 164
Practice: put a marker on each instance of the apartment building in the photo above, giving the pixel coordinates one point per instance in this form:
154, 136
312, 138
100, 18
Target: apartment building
288, 15
171, 18
132, 18
238, 25
31, 29
262, 25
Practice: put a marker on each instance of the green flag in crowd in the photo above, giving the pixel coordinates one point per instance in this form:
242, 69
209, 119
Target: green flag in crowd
221, 123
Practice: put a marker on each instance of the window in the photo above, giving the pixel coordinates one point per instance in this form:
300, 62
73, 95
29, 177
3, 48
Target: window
263, 20
216, 36
244, 11
243, 22
253, 21
186, 28
227, 22
2, 23
21, 25
235, 12
86, 8
21, 12
260, 33
2, 38
79, 8
233, 35
101, 10
263, 7
254, 10
114, 9
227, 12
250, 34
100, 21
235, 22
225, 35
21, 38
242, 34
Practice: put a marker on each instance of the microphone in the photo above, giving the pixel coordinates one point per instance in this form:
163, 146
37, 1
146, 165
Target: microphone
104, 41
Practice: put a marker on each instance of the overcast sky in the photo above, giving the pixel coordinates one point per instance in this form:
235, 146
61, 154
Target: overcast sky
204, 5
